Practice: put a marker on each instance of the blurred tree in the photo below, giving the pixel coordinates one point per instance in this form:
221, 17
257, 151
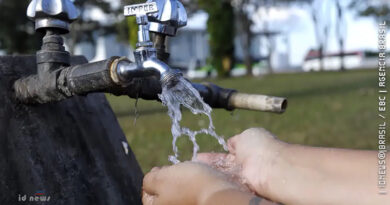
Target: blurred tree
220, 27
16, 33
341, 31
320, 13
191, 6
379, 9
85, 27
127, 27
321, 19
244, 21
244, 10
267, 4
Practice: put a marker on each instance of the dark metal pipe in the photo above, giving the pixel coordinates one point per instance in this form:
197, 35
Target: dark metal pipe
66, 82
87, 78
159, 43
102, 77
214, 95
229, 99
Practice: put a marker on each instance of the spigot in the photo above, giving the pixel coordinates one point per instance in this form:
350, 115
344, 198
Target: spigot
56, 14
170, 17
56, 80
144, 46
52, 17
145, 54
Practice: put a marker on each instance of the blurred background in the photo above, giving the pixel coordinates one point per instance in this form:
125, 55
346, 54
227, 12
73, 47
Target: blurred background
321, 55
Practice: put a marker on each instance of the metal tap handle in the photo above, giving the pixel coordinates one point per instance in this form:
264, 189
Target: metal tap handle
143, 30
56, 14
141, 11
170, 17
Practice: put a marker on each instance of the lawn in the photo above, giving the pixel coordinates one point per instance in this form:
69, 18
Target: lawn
333, 109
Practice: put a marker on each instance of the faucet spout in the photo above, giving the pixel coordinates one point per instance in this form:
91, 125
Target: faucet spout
125, 71
168, 76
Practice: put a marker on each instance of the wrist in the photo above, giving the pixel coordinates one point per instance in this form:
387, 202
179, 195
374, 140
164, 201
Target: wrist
211, 189
278, 172
267, 167
227, 197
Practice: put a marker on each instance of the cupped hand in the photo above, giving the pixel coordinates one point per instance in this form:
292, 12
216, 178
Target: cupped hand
188, 183
250, 160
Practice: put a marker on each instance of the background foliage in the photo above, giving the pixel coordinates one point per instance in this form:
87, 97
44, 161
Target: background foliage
220, 27
17, 35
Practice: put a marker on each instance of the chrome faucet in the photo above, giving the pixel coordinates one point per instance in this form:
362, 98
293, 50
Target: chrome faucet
170, 17
57, 80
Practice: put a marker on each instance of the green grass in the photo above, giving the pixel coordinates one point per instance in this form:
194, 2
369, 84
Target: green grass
333, 109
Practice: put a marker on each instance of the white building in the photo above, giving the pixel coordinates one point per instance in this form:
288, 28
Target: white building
189, 49
332, 61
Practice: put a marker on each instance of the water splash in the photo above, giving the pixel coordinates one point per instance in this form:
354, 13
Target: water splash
184, 94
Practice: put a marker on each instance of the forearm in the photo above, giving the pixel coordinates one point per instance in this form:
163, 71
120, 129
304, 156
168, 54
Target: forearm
309, 175
234, 197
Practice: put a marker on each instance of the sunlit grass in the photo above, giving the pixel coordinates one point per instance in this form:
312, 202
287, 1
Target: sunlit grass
337, 109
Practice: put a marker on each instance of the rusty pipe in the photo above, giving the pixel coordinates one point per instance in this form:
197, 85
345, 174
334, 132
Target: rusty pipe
229, 99
258, 102
103, 77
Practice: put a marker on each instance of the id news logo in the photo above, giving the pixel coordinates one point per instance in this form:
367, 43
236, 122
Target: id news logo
39, 196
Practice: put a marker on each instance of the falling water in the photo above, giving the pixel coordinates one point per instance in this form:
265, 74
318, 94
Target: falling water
184, 94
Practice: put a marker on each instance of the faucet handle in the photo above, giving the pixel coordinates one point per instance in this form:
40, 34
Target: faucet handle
140, 9
52, 14
171, 16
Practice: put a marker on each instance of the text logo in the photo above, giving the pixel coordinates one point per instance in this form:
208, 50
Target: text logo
39, 196
139, 9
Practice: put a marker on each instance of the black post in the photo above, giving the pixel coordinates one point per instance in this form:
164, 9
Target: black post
72, 151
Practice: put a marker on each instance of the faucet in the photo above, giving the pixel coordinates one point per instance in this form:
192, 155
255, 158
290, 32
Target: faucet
147, 62
56, 79
170, 17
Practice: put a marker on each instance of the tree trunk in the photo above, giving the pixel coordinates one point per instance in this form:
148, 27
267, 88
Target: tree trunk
71, 151
342, 63
270, 51
246, 40
320, 40
269, 39
321, 57
340, 35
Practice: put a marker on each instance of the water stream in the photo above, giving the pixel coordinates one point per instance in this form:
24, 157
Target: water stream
184, 94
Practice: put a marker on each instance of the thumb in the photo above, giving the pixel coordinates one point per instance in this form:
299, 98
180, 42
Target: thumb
231, 143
